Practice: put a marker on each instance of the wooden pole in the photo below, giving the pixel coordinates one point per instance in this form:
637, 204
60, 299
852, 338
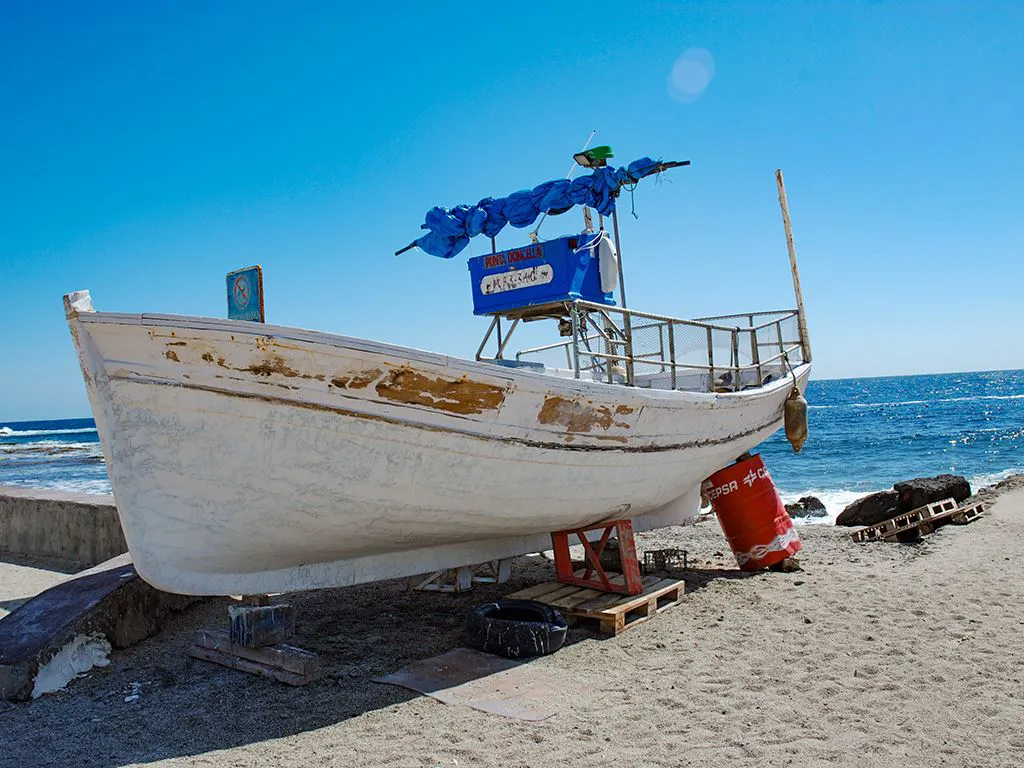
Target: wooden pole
801, 317
618, 250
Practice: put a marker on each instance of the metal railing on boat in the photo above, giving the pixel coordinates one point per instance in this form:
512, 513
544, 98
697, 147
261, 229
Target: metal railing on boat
721, 353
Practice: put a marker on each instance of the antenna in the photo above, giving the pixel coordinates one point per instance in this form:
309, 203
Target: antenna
572, 170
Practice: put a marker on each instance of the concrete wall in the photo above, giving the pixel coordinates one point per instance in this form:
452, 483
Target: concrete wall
77, 527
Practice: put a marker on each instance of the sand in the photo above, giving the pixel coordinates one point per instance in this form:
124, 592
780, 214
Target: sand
21, 578
874, 654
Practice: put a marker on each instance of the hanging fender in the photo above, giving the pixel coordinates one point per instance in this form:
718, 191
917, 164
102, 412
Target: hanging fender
795, 419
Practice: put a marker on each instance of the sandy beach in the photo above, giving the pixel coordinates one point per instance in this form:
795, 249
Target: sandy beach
883, 653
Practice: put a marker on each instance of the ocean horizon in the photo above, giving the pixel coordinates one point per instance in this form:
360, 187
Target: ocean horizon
865, 434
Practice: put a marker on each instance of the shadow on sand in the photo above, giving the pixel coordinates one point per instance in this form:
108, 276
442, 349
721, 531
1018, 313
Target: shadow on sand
186, 707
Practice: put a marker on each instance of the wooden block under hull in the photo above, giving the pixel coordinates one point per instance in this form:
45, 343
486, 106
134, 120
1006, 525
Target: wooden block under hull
284, 663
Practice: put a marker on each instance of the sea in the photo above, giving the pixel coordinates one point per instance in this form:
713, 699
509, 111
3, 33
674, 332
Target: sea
865, 435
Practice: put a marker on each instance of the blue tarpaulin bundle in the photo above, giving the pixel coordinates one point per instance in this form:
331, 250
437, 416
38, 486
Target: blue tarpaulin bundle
449, 229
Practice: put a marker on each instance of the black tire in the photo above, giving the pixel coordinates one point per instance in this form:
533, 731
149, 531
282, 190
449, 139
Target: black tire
515, 629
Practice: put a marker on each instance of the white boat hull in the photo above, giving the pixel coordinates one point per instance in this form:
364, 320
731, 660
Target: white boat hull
249, 459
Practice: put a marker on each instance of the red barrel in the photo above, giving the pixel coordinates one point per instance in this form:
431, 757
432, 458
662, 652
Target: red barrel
751, 514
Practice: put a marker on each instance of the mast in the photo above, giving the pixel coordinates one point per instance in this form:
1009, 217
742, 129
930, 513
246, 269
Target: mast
801, 317
627, 326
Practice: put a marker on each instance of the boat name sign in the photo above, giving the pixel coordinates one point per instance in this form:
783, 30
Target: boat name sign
517, 278
528, 253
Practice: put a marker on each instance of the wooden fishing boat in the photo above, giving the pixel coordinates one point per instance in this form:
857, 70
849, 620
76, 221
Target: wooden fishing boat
248, 458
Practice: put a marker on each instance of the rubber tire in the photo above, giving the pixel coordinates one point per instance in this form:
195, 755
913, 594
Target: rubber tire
515, 629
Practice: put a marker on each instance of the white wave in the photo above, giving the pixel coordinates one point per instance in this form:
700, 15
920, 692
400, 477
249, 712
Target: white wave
94, 486
835, 501
984, 480
101, 487
8, 432
971, 399
51, 448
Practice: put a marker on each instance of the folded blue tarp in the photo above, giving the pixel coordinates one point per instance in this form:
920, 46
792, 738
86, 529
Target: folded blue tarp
449, 229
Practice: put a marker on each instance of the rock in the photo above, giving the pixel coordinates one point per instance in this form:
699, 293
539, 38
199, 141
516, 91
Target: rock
870, 509
904, 497
925, 490
807, 506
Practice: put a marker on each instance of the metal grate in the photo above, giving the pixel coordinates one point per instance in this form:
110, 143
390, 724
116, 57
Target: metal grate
664, 560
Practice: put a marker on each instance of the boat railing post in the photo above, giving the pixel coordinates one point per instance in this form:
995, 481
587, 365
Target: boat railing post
661, 347
487, 337
755, 353
782, 341
736, 358
672, 352
711, 362
574, 316
609, 346
508, 337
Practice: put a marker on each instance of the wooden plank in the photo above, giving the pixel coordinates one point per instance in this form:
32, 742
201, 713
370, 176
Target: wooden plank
573, 600
538, 591
252, 667
597, 605
619, 603
285, 657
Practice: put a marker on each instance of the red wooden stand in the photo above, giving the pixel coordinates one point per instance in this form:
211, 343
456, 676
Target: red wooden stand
630, 583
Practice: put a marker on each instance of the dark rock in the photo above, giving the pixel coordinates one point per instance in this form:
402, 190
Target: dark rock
870, 509
807, 506
925, 490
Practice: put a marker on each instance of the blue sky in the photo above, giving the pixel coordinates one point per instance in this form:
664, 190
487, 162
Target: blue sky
148, 148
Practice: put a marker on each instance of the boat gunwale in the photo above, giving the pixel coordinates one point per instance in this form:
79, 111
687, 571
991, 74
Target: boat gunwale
613, 391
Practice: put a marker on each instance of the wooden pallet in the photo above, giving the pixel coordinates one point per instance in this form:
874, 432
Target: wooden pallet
611, 612
920, 521
967, 513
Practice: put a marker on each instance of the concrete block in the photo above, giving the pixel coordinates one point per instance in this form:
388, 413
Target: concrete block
79, 528
113, 601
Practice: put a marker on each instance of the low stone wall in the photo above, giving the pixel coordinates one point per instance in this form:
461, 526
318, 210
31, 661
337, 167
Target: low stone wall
79, 528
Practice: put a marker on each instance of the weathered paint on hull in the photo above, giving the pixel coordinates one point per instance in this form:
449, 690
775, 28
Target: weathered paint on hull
250, 459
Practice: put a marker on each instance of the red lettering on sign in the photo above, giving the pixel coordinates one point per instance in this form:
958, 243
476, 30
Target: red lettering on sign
529, 253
